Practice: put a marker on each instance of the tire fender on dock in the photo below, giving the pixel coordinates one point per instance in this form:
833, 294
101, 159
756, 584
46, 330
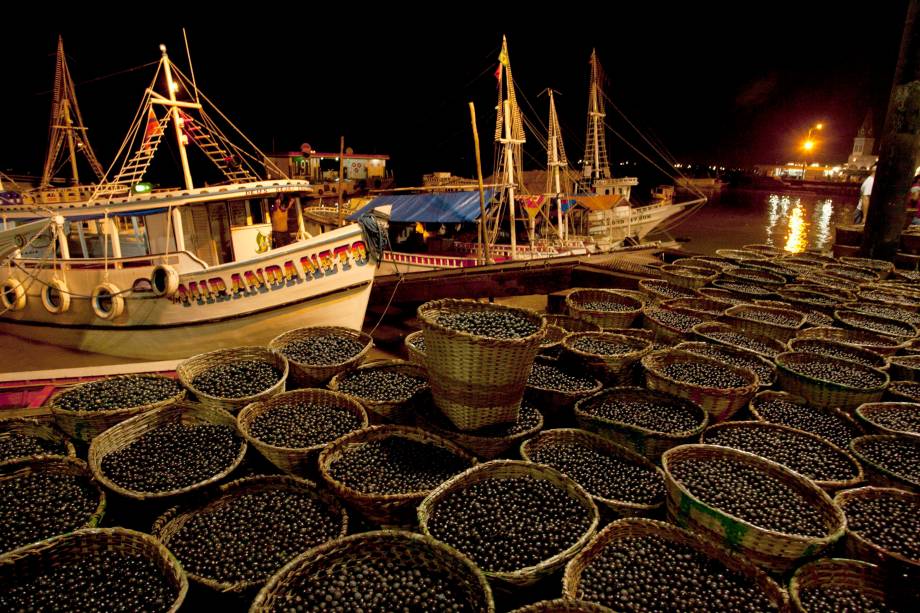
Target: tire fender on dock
56, 297
108, 303
164, 280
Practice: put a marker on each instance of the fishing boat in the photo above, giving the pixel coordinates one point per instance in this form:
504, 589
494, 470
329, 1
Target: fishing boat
569, 214
127, 269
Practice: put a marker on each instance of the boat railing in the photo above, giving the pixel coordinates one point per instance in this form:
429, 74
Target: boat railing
183, 261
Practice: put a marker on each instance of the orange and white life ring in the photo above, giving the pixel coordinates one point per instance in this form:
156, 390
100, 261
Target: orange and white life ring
164, 280
108, 303
13, 295
56, 297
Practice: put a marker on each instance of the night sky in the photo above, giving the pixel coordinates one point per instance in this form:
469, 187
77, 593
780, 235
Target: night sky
731, 84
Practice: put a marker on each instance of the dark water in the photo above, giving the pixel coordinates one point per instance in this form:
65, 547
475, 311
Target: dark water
794, 222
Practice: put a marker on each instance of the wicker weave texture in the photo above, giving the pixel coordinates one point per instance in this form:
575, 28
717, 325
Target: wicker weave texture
194, 366
308, 375
34, 428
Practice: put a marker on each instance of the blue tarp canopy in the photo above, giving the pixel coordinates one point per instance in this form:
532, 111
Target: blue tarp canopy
446, 207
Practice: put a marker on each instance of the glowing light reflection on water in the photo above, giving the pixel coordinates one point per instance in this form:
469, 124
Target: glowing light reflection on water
796, 239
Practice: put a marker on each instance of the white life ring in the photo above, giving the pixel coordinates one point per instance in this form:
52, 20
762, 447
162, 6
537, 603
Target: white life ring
164, 280
56, 297
13, 295
107, 301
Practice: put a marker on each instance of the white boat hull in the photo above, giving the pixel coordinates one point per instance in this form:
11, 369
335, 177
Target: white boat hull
321, 281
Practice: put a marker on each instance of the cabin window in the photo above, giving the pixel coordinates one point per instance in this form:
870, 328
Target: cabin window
257, 209
207, 232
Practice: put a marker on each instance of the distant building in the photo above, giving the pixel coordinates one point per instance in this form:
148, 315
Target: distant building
861, 157
362, 172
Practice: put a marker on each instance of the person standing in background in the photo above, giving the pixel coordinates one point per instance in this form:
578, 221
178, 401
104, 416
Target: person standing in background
865, 191
280, 234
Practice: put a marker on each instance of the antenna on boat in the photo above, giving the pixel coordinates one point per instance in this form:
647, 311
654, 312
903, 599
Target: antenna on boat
191, 68
64, 110
509, 132
595, 141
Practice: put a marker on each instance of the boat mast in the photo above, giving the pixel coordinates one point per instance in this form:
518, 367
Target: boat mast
63, 110
178, 122
555, 153
595, 142
509, 132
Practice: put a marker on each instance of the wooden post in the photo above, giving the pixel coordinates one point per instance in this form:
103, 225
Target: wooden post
341, 178
483, 239
899, 151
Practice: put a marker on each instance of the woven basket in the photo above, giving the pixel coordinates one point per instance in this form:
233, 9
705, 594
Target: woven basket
168, 525
604, 446
706, 309
635, 527
900, 330
719, 403
665, 333
753, 275
562, 605
711, 266
853, 353
859, 546
879, 475
881, 310
883, 267
574, 324
776, 304
721, 295
856, 476
770, 346
575, 301
659, 290
747, 291
911, 347
381, 509
890, 297
789, 273
766, 373
387, 410
487, 443
688, 276
477, 381
809, 257
838, 573
609, 369
852, 428
764, 249
815, 319
404, 550
806, 299
552, 341
719, 261
741, 255
852, 273
52, 465
74, 548
311, 375
194, 366
295, 461
510, 469
822, 393
774, 551
87, 425
738, 316
882, 345
648, 443
413, 353
34, 428
903, 391
185, 413
871, 412
843, 290
554, 403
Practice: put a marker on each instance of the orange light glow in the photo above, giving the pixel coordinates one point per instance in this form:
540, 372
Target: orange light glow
421, 230
797, 239
808, 145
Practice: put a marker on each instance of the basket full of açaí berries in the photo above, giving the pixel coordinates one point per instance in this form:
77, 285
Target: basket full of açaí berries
479, 356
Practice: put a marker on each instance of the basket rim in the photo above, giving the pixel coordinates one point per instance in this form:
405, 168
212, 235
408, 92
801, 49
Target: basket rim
861, 414
854, 443
56, 410
691, 345
332, 451
12, 424
596, 441
841, 498
441, 547
649, 363
795, 582
245, 417
572, 301
241, 401
760, 293
649, 313
43, 549
767, 277
867, 339
839, 315
620, 338
833, 534
427, 315
528, 469
871, 263
385, 363
183, 513
470, 435
733, 312
649, 286
636, 391
707, 327
854, 480
673, 304
554, 319
671, 533
543, 359
684, 270
277, 344
204, 412
830, 384
856, 348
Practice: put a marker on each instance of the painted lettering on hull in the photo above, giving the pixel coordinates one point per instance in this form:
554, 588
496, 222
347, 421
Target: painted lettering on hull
210, 290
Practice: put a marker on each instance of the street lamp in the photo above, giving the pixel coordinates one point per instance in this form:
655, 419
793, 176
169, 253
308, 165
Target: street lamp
808, 145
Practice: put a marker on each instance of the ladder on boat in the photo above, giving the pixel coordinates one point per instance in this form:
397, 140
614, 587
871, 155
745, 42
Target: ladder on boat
226, 161
135, 169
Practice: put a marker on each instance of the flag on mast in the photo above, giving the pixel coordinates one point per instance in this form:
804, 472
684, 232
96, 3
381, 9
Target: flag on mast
153, 124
